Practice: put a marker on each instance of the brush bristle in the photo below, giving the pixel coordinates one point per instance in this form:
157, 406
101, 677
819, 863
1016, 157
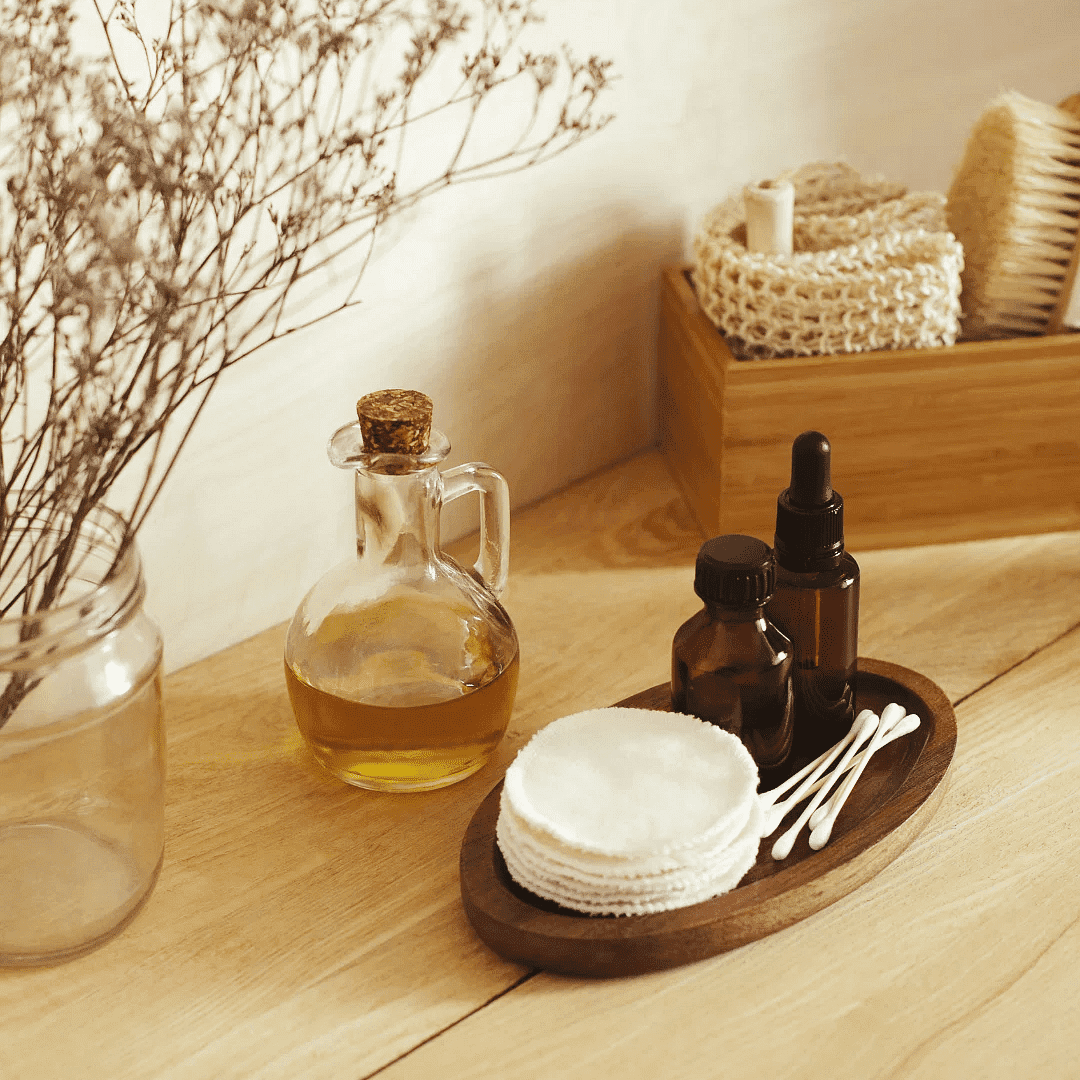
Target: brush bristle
1014, 205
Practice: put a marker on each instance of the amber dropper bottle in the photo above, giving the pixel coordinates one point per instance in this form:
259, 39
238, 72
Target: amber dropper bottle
816, 599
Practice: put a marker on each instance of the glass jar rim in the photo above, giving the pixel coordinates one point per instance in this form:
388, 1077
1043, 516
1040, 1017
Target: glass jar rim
108, 599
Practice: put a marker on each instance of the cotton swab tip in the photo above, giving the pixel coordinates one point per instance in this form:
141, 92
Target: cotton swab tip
907, 725
867, 727
891, 715
895, 722
782, 848
772, 820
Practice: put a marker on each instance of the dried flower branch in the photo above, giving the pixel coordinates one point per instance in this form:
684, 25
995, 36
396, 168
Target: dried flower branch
155, 221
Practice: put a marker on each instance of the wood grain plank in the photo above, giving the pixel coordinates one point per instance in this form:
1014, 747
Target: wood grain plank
293, 913
963, 613
964, 944
301, 927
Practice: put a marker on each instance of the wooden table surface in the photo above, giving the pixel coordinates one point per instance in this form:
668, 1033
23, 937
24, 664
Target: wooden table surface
305, 929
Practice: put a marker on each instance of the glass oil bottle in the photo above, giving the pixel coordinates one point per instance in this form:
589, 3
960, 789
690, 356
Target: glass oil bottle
402, 666
729, 664
816, 602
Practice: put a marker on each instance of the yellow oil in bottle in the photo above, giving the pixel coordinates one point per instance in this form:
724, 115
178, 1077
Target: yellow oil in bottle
402, 665
413, 736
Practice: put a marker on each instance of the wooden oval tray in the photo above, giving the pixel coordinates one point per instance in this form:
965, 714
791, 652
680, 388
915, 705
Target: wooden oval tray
895, 797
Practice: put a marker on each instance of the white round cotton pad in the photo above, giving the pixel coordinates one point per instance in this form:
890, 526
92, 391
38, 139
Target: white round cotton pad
628, 877
633, 782
636, 896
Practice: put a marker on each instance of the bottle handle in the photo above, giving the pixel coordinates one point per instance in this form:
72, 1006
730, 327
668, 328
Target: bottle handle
493, 563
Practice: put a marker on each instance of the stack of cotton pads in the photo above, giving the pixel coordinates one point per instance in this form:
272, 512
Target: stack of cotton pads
630, 811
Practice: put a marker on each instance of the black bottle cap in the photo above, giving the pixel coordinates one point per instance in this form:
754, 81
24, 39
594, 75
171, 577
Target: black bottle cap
809, 514
735, 571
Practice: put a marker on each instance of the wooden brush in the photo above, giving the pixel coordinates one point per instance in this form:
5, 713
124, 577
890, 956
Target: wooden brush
1014, 205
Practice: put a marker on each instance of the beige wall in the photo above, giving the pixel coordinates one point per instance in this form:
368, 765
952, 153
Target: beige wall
526, 306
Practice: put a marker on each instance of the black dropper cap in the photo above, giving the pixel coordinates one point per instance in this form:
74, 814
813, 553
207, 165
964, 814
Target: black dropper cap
809, 514
735, 572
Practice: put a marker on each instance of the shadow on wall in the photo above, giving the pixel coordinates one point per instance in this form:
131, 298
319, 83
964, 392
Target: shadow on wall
548, 376
554, 379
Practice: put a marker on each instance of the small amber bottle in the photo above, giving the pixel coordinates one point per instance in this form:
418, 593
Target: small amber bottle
729, 664
816, 600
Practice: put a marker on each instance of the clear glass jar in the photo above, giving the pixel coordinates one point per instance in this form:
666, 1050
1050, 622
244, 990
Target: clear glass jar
82, 757
401, 665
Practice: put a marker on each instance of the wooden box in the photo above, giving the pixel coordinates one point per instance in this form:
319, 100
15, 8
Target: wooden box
929, 445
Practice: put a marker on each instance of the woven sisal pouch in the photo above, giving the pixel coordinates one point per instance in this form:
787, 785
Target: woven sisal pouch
873, 267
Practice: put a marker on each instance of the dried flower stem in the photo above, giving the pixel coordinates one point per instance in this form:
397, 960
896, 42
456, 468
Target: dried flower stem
155, 223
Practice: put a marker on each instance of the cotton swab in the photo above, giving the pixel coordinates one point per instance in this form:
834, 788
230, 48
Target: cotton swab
813, 775
901, 729
894, 724
891, 715
782, 847
770, 796
819, 837
809, 774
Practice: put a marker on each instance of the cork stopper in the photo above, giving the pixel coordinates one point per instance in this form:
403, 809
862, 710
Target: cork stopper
395, 421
